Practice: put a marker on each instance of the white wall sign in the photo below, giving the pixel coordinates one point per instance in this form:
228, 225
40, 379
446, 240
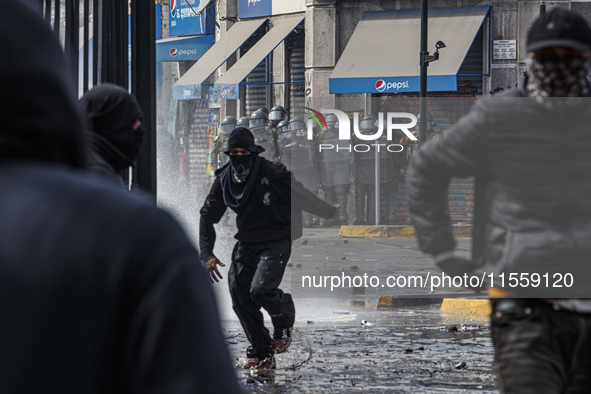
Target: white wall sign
505, 49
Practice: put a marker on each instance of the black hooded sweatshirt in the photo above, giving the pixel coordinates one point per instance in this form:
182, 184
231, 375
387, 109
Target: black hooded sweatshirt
99, 292
273, 211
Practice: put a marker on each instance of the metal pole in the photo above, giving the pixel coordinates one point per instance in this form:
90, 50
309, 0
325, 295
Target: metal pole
542, 7
143, 85
57, 17
95, 41
424, 65
115, 42
106, 43
48, 11
86, 41
125, 42
72, 37
377, 178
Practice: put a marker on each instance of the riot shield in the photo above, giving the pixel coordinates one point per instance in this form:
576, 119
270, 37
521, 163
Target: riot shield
263, 136
365, 163
222, 157
299, 157
337, 164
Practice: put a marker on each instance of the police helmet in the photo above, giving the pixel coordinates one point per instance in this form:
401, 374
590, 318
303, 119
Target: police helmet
332, 121
369, 124
257, 119
228, 124
277, 114
243, 122
296, 124
282, 127
264, 110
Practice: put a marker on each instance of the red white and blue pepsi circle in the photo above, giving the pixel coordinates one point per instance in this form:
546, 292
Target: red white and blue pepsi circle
173, 52
380, 85
172, 7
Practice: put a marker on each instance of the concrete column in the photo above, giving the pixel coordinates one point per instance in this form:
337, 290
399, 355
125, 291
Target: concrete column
227, 15
278, 67
168, 79
321, 51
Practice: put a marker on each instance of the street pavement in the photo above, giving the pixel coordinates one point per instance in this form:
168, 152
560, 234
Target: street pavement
410, 349
403, 351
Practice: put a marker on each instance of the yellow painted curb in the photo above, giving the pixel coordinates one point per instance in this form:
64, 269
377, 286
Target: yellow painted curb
459, 231
466, 307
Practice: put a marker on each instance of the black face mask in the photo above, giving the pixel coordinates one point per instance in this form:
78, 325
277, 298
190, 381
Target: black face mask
241, 164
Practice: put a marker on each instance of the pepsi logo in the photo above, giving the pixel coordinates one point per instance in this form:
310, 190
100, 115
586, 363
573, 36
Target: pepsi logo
380, 85
173, 52
173, 8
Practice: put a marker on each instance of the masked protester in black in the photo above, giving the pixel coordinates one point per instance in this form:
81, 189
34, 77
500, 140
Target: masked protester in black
114, 118
268, 202
99, 292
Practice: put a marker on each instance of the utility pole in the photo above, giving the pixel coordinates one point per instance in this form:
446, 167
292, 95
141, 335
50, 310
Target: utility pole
424, 64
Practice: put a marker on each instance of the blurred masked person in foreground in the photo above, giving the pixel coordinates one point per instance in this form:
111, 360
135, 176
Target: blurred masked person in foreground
529, 151
99, 292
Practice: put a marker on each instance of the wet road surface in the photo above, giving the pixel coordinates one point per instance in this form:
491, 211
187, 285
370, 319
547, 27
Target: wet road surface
405, 351
411, 350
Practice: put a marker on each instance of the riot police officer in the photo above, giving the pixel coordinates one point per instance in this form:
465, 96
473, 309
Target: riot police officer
365, 164
243, 122
221, 139
299, 156
282, 127
337, 168
277, 115
264, 110
263, 135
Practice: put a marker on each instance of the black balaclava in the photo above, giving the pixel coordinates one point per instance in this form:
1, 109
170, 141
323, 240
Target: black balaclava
38, 104
112, 113
238, 178
241, 165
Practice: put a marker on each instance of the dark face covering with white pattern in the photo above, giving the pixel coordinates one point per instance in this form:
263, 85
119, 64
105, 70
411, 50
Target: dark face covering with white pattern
550, 76
241, 165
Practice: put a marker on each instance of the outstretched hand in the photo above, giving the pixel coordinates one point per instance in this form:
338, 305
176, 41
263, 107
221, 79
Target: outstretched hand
336, 212
210, 265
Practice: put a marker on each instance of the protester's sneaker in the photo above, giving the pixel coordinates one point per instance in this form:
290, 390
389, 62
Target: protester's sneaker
260, 363
281, 340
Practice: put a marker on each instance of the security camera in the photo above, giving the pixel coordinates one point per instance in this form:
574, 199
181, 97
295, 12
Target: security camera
440, 44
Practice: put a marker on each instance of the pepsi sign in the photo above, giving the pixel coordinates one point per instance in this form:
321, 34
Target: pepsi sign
380, 85
190, 48
173, 8
391, 87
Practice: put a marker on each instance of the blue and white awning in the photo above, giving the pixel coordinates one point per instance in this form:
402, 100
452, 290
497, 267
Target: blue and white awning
227, 86
382, 56
189, 86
